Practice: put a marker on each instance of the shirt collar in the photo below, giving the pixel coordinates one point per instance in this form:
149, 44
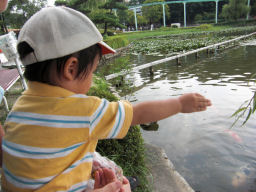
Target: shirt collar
46, 90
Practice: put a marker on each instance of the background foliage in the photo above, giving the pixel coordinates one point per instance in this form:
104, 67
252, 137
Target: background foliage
84, 6
19, 11
155, 13
235, 9
103, 13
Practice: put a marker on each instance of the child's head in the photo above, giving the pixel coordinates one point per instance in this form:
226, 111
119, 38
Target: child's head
58, 45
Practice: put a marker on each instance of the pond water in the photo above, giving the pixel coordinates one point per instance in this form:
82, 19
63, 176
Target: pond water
205, 151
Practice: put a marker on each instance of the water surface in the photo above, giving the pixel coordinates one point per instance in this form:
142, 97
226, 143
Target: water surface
207, 153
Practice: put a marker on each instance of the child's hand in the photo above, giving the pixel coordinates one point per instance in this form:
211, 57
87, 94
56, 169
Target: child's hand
103, 176
105, 179
126, 185
193, 102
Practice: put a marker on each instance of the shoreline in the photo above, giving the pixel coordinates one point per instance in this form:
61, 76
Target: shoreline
164, 176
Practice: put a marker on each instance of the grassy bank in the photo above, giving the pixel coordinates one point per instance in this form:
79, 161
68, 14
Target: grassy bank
116, 41
128, 153
131, 36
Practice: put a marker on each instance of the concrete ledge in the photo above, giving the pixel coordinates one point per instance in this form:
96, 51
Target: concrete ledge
165, 177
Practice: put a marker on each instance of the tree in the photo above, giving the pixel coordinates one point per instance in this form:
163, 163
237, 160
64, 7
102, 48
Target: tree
176, 12
84, 6
19, 11
206, 10
253, 10
106, 15
235, 9
103, 12
123, 16
94, 4
195, 11
141, 20
136, 2
79, 5
154, 13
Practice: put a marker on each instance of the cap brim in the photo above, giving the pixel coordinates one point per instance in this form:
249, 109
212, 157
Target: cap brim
105, 49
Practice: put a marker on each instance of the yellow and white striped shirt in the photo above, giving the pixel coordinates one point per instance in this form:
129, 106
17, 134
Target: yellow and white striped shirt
51, 134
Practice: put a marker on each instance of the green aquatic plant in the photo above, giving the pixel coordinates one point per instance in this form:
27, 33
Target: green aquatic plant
247, 108
172, 45
175, 43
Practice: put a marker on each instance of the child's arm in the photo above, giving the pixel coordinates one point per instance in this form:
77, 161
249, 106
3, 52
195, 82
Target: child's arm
151, 111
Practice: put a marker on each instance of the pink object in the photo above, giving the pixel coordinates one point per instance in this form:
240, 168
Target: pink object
8, 77
234, 135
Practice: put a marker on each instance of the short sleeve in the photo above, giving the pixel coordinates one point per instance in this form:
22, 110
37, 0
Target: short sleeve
111, 120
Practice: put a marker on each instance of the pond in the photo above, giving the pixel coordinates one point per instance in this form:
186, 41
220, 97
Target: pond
206, 151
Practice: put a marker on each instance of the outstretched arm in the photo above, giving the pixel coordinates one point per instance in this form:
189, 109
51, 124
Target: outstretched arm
151, 111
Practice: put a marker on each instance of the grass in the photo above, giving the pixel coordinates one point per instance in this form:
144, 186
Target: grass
11, 96
132, 36
117, 41
168, 31
129, 152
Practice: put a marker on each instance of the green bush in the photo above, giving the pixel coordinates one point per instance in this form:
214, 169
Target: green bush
198, 17
101, 89
164, 28
129, 152
116, 41
204, 26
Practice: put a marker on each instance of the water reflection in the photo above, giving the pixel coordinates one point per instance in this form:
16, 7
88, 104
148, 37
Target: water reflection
211, 158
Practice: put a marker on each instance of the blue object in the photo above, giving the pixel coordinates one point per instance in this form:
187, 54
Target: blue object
1, 94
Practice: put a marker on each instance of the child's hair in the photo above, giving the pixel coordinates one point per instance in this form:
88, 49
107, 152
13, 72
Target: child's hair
41, 71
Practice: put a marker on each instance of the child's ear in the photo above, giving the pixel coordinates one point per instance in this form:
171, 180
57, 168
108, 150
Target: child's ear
70, 68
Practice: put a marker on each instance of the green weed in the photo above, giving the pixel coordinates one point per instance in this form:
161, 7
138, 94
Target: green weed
129, 152
116, 41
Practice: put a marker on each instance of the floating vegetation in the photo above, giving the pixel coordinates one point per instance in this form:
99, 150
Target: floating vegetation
171, 44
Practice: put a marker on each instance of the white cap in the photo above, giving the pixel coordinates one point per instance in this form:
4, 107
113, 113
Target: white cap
55, 32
